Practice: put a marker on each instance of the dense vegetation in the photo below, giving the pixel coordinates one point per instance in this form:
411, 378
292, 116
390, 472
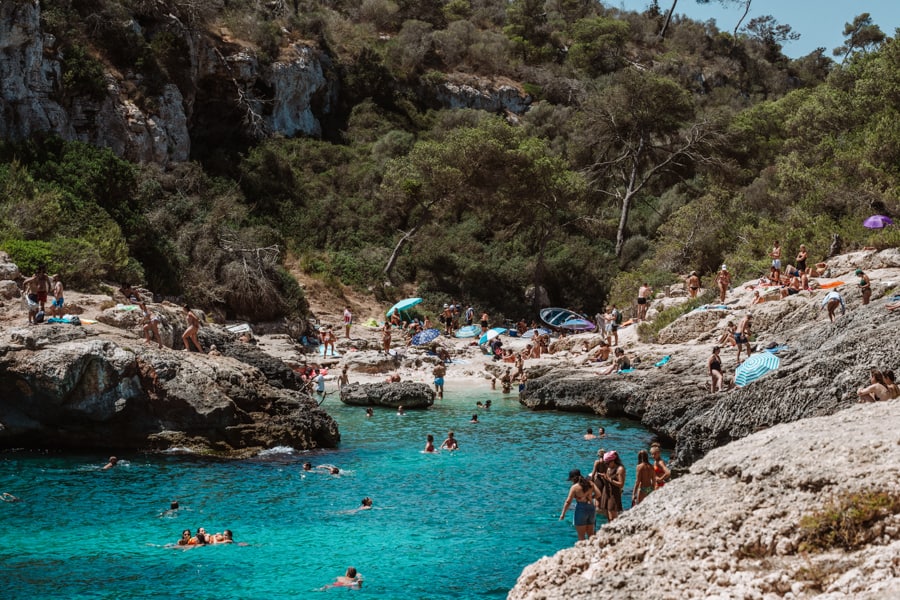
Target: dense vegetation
643, 156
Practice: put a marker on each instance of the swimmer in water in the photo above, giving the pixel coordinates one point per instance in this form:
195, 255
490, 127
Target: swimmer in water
450, 443
429, 443
351, 579
369, 412
7, 497
185, 538
400, 410
366, 504
113, 461
474, 419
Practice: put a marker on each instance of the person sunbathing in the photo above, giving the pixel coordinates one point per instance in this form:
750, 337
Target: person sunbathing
619, 364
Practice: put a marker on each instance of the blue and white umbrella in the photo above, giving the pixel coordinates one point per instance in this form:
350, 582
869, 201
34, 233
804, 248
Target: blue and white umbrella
468, 331
425, 336
755, 367
404, 304
491, 334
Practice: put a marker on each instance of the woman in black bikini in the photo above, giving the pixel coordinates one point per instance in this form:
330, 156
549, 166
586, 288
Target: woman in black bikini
714, 370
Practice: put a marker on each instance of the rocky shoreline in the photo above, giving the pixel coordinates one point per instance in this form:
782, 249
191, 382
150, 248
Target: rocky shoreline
754, 519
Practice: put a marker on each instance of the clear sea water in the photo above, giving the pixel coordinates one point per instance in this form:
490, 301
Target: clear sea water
449, 525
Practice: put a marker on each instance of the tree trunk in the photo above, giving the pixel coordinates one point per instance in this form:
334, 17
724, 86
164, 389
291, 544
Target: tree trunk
741, 20
392, 261
662, 32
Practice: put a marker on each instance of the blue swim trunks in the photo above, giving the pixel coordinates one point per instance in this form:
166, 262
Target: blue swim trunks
438, 381
585, 513
57, 302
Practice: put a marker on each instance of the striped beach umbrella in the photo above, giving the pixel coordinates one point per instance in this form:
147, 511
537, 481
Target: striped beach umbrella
755, 367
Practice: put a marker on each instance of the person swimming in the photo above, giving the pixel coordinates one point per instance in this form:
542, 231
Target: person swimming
351, 579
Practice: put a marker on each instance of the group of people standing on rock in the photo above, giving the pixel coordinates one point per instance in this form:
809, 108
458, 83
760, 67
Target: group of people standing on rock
37, 289
601, 491
151, 320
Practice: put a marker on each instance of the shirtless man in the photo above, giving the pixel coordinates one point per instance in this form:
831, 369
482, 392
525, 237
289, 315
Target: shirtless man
450, 443
775, 272
584, 491
58, 299
439, 372
190, 334
386, 338
39, 284
643, 300
742, 336
348, 321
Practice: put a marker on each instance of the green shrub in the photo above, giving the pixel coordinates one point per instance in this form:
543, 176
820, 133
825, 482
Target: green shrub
29, 254
648, 331
82, 74
847, 522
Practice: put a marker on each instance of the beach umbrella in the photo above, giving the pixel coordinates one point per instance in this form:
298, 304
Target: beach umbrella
537, 331
578, 324
468, 331
755, 367
425, 336
490, 334
877, 222
404, 304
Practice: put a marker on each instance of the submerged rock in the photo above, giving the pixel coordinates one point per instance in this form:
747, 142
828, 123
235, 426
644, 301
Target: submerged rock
744, 523
406, 394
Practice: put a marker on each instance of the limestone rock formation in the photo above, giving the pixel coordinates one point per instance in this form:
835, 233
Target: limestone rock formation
745, 522
823, 366
406, 394
67, 387
459, 92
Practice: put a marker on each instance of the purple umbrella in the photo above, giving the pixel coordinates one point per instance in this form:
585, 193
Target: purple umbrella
877, 222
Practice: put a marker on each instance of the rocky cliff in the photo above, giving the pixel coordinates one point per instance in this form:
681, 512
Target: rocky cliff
801, 510
821, 368
222, 94
68, 386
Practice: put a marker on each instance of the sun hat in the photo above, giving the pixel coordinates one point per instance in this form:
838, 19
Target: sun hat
610, 456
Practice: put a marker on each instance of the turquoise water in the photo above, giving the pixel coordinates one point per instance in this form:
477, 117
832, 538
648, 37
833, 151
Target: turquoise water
460, 525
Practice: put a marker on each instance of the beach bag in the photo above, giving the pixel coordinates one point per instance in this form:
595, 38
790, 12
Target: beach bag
39, 317
618, 317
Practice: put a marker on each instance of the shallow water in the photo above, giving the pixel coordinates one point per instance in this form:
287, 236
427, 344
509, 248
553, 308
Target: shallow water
461, 524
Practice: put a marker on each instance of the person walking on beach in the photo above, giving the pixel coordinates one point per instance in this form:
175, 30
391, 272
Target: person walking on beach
775, 271
714, 370
742, 336
348, 321
723, 281
328, 340
484, 322
190, 334
584, 492
645, 479
643, 300
865, 286
615, 321
831, 301
693, 284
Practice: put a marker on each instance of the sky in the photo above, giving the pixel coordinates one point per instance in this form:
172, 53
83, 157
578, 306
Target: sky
819, 22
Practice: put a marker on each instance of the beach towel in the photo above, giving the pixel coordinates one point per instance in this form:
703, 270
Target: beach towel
776, 349
322, 351
126, 307
71, 320
625, 370
830, 284
663, 361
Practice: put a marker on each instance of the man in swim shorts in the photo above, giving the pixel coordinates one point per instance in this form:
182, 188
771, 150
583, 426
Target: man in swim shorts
643, 300
775, 272
742, 336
